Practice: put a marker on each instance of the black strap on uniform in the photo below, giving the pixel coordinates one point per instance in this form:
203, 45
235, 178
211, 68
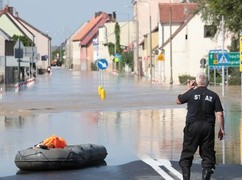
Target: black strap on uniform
201, 109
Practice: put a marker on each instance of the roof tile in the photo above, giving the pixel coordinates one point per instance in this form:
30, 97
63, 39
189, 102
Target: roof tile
179, 11
90, 27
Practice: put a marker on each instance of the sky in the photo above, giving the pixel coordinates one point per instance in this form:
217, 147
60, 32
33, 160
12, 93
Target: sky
61, 18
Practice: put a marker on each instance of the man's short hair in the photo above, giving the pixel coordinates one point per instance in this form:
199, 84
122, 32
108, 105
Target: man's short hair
202, 79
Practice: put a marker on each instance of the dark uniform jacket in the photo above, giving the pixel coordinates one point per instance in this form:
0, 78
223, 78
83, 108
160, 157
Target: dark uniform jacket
202, 104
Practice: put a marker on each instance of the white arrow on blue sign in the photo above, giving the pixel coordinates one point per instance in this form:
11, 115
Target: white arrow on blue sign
102, 64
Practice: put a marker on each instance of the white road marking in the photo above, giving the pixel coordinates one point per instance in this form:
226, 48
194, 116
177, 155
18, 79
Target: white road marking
155, 164
167, 164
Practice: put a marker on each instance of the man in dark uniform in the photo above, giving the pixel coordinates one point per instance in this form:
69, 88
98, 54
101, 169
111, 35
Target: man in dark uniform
203, 107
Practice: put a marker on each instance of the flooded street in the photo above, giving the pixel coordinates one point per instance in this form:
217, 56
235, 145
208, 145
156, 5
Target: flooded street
137, 119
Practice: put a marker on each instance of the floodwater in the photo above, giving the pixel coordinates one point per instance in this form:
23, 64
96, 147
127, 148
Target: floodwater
137, 119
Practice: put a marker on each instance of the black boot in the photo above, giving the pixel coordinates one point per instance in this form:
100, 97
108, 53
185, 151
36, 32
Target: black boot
207, 174
186, 172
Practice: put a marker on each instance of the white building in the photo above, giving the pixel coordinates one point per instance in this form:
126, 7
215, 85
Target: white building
107, 34
182, 35
185, 41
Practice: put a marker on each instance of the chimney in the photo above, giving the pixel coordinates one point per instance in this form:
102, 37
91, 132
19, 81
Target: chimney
114, 16
10, 10
98, 13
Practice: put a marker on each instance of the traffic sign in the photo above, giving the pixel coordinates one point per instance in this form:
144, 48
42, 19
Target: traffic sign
203, 63
117, 57
19, 45
161, 57
102, 64
18, 49
234, 59
223, 58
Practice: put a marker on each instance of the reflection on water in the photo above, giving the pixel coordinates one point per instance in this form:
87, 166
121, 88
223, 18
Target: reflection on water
127, 135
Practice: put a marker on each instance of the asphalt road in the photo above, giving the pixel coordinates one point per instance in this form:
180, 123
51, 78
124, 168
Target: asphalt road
136, 170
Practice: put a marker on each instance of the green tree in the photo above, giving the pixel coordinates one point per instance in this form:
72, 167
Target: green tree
213, 10
111, 47
115, 47
56, 55
25, 40
127, 58
231, 10
117, 38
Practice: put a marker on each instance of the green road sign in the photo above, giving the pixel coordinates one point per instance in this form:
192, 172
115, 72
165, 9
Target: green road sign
232, 59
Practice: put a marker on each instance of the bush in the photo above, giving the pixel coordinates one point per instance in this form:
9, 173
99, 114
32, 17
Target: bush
234, 76
93, 67
183, 78
234, 80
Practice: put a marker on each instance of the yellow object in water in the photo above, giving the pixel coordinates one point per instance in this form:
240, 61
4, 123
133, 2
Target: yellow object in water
103, 94
99, 89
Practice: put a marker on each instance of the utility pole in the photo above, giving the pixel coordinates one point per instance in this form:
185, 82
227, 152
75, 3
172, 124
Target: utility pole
32, 60
137, 48
151, 64
150, 34
137, 40
171, 68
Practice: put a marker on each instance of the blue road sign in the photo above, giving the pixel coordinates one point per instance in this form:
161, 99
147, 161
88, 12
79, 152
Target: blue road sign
102, 64
223, 58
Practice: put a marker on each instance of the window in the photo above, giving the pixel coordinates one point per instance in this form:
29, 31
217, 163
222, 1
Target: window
209, 31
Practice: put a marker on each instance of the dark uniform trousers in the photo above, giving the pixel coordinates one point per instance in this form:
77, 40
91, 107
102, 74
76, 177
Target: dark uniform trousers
198, 134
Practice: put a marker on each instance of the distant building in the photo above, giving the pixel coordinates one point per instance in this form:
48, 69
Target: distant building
83, 48
39, 53
107, 35
183, 39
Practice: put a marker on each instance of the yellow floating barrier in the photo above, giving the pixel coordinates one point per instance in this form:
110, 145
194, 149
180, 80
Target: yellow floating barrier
99, 89
103, 94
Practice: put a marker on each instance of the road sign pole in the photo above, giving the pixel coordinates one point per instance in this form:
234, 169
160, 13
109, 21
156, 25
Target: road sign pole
240, 60
222, 80
227, 76
102, 64
19, 63
223, 56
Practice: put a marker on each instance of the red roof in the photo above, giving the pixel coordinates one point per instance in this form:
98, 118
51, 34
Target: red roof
90, 30
180, 11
